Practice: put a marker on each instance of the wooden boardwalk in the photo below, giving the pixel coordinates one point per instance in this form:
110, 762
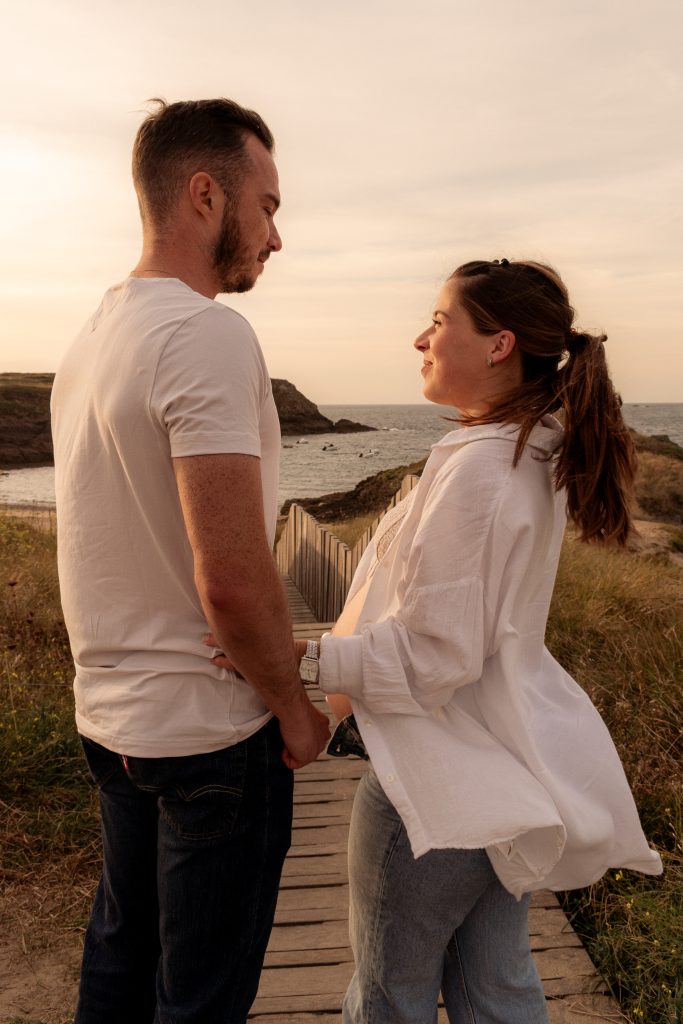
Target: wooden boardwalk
309, 963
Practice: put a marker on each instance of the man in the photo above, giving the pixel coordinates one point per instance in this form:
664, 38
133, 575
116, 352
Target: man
166, 452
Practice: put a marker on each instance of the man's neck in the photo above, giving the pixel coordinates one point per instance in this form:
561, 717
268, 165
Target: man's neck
156, 262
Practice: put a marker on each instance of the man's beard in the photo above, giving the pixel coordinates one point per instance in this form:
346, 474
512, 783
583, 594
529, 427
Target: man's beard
231, 259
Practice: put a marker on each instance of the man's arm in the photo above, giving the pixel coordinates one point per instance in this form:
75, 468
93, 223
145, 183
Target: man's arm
241, 591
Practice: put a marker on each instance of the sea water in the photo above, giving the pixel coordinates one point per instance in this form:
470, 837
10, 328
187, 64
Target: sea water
320, 463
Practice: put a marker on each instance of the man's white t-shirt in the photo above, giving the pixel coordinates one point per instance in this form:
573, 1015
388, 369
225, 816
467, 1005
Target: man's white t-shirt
158, 372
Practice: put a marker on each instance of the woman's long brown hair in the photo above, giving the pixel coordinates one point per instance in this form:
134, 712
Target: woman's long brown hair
564, 370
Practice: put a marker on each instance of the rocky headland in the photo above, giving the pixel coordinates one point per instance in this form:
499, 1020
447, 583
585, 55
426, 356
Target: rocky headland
298, 415
26, 440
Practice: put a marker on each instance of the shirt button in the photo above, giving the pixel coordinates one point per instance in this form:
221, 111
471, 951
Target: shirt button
390, 778
366, 721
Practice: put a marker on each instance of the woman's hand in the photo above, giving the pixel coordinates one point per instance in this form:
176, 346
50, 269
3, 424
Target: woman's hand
340, 705
221, 660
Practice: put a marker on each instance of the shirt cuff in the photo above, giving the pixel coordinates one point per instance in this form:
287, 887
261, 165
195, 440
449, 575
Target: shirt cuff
341, 665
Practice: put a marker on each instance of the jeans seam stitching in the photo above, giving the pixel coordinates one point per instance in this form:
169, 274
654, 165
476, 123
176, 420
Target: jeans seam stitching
470, 1009
379, 917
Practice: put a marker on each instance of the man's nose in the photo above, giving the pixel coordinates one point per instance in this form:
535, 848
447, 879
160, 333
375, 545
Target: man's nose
274, 242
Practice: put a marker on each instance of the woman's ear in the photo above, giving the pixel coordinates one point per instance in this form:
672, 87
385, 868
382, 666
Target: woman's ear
503, 346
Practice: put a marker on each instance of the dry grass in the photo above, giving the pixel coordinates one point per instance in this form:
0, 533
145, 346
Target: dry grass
659, 487
616, 624
351, 530
48, 831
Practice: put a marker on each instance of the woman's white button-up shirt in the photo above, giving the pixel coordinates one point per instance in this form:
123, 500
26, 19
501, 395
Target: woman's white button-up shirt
479, 737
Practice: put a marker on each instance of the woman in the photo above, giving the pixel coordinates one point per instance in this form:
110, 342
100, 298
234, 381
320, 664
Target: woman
492, 774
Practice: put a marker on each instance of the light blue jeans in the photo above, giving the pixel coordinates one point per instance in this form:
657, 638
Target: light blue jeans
442, 922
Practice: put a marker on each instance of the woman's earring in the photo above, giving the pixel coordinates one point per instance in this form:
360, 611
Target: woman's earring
489, 362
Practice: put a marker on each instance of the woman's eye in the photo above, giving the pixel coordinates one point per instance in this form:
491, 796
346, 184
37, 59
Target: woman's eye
437, 323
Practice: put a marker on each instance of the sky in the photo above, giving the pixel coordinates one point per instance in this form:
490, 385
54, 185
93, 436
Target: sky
410, 137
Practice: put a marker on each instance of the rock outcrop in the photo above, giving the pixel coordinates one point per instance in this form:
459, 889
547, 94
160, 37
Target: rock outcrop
25, 438
298, 415
372, 494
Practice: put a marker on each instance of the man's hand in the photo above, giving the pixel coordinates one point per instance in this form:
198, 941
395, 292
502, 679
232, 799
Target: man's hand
305, 731
305, 734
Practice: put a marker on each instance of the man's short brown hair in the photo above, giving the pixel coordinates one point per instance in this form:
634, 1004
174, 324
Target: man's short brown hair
177, 140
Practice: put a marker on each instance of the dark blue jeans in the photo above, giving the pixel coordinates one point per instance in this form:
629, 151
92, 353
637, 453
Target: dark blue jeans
193, 851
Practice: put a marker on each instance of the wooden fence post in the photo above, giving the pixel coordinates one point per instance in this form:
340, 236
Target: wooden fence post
318, 563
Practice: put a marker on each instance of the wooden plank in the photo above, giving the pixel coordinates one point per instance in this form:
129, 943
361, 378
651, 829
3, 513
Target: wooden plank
296, 1018
296, 1003
303, 984
309, 957
563, 963
303, 881
317, 935
318, 899
317, 850
331, 834
317, 812
583, 1009
313, 915
333, 864
331, 789
548, 922
341, 768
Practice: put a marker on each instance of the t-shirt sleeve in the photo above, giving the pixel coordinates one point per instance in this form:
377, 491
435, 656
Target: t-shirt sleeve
210, 385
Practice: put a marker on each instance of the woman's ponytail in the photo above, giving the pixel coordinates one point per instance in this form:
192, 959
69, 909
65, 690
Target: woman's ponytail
596, 460
563, 371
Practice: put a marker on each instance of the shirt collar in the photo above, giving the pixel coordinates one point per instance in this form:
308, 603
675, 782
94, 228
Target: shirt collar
545, 435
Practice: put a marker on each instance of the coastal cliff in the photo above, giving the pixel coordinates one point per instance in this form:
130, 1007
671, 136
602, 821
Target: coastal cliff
26, 440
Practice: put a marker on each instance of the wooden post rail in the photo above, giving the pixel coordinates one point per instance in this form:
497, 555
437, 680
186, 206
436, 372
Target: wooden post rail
319, 564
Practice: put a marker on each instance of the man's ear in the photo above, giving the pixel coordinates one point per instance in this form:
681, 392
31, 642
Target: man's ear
205, 195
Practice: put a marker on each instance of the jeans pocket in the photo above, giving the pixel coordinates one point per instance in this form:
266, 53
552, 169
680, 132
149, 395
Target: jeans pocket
102, 764
204, 799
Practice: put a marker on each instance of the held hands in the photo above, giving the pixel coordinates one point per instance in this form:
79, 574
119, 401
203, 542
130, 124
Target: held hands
305, 730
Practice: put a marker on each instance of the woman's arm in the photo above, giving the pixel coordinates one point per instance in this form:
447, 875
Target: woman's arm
443, 620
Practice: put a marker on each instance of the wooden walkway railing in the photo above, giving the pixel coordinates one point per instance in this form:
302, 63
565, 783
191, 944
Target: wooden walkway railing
319, 564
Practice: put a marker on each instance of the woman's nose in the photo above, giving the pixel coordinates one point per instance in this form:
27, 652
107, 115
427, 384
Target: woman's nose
422, 341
